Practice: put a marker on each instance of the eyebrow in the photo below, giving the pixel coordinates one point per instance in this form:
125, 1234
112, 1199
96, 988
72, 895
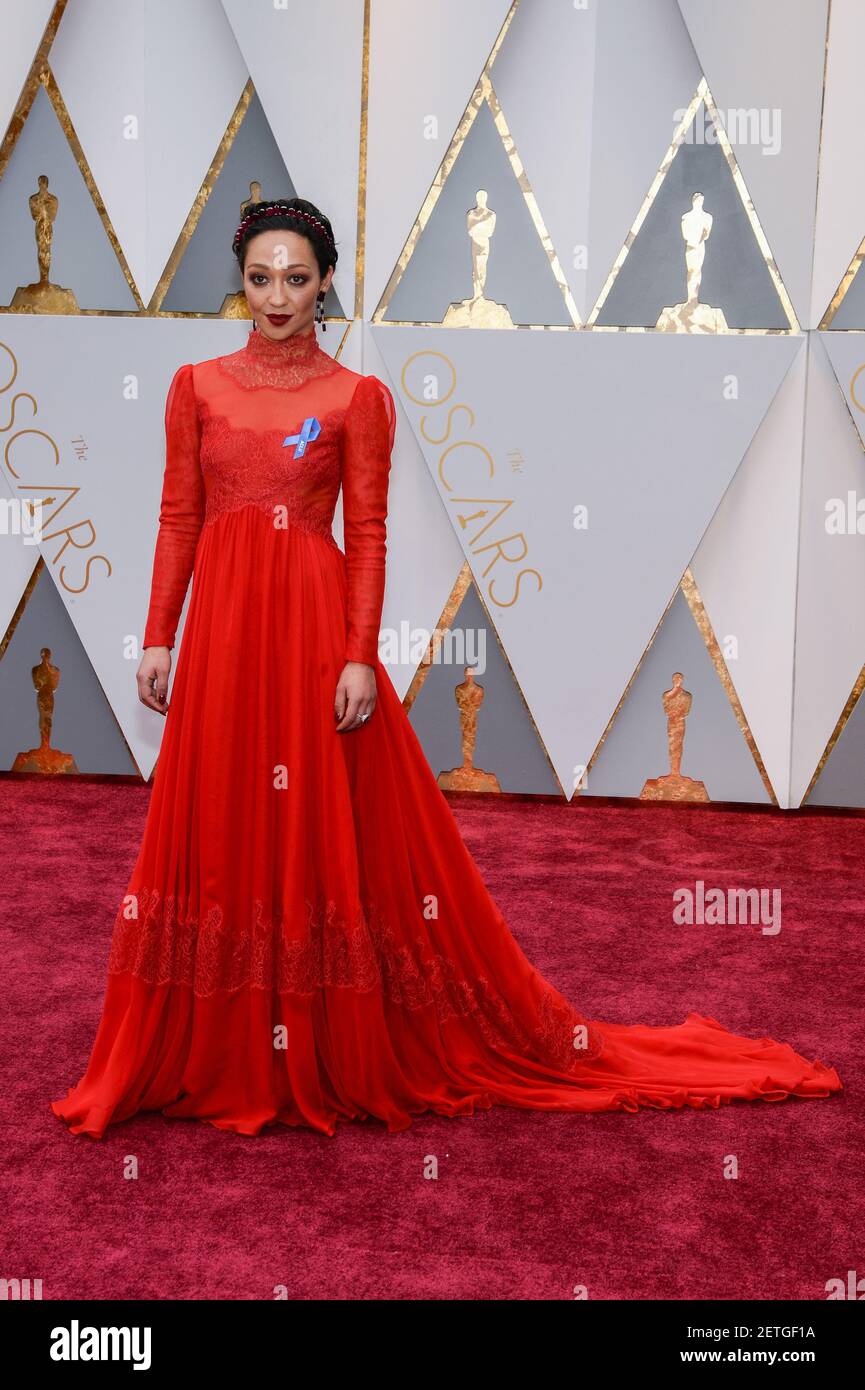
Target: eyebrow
261, 265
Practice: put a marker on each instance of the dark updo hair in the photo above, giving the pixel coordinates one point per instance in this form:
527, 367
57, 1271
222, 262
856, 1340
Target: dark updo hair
289, 215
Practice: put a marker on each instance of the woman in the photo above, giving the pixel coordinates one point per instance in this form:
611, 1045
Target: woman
305, 938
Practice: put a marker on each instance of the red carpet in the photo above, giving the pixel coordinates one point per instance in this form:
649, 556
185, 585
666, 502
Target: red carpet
527, 1204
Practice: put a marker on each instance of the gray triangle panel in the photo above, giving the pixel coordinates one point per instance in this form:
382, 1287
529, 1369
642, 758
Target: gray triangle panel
83, 725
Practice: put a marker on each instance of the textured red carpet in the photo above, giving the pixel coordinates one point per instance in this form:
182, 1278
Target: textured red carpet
526, 1204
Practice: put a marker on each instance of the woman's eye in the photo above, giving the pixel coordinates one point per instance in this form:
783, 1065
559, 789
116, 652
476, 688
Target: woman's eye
256, 277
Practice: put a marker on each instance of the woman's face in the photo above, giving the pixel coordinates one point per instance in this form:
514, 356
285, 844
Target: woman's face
281, 282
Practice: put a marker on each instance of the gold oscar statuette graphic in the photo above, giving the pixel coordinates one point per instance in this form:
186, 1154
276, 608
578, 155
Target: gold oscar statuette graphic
234, 306
479, 312
469, 697
675, 787
694, 317
46, 679
43, 297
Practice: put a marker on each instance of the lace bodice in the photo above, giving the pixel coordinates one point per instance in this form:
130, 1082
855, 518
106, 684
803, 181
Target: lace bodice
280, 426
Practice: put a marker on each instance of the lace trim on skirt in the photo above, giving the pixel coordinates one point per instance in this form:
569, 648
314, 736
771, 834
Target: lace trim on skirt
162, 945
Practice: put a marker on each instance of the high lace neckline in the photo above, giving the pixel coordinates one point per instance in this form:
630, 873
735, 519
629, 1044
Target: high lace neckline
281, 363
296, 347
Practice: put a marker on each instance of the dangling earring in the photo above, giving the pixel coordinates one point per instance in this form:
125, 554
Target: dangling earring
319, 311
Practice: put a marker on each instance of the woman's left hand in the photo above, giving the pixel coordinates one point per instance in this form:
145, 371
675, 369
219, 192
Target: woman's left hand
355, 696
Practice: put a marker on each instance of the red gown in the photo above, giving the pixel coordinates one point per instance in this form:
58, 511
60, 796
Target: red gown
305, 937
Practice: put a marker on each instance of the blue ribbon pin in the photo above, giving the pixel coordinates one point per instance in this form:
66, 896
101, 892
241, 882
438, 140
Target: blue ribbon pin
310, 430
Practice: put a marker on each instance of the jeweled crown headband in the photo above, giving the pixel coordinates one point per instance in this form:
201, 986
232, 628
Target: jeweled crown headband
276, 210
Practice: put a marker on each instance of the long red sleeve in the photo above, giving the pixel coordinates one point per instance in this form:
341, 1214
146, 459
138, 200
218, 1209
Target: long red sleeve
181, 514
369, 426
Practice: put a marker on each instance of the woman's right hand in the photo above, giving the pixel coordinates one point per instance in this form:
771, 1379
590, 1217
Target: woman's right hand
153, 678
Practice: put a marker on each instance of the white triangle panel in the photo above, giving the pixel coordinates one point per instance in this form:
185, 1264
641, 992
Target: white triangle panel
645, 72
22, 27
544, 79
528, 427
846, 352
830, 620
424, 64
745, 570
569, 81
131, 76
759, 60
841, 190
306, 63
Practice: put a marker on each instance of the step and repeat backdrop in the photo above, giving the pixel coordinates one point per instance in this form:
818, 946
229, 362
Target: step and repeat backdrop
605, 253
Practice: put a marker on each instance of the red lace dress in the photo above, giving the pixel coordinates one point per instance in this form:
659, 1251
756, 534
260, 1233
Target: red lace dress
305, 937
